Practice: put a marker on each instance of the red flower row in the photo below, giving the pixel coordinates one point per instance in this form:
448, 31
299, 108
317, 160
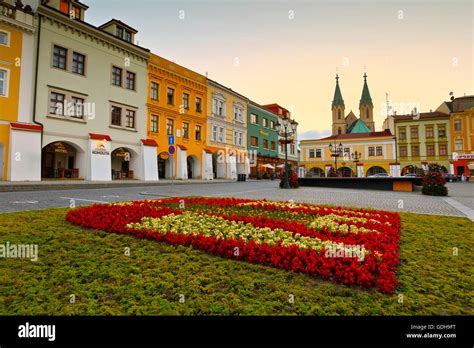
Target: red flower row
372, 271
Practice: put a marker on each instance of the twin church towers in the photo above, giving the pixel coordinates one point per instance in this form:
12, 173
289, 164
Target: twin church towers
346, 124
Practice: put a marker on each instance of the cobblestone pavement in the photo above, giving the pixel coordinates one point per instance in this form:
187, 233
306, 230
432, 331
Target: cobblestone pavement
460, 193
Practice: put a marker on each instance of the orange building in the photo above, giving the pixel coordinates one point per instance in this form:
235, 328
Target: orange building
177, 104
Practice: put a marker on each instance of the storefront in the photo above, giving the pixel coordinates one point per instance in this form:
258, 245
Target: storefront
58, 161
463, 164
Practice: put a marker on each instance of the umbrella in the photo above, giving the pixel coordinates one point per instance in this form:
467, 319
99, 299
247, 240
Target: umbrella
267, 165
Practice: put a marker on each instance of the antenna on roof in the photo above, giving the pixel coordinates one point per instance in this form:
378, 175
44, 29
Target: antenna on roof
207, 74
388, 104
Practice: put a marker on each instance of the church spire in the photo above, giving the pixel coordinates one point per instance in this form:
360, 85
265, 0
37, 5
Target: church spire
337, 100
365, 99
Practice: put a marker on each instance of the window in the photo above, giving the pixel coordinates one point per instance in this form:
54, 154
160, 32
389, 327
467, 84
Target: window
339, 130
415, 151
185, 130
339, 114
457, 125
56, 103
265, 122
272, 124
214, 133
77, 12
130, 81
414, 133
458, 145
292, 149
78, 63
430, 150
198, 104
238, 138
402, 133
3, 82
265, 144
429, 132
128, 36
443, 150
116, 76
238, 114
273, 145
116, 116
379, 151
154, 87
346, 151
59, 57
154, 122
318, 153
254, 141
218, 107
221, 134
170, 96
186, 101
4, 38
198, 132
169, 126
311, 153
130, 119
441, 131
403, 151
78, 110
371, 151
119, 32
253, 119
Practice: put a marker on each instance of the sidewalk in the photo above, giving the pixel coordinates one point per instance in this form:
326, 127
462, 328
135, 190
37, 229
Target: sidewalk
9, 186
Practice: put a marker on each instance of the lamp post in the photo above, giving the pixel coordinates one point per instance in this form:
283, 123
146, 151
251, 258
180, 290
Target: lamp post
356, 155
336, 152
286, 129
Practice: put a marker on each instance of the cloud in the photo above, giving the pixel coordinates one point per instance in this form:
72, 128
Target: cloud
314, 134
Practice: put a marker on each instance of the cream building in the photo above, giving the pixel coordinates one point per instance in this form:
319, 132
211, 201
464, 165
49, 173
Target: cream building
91, 96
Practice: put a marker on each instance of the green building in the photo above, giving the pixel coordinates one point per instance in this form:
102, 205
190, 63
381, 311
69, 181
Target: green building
262, 139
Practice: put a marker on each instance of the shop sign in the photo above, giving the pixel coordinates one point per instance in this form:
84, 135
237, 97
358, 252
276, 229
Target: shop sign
60, 148
100, 149
462, 156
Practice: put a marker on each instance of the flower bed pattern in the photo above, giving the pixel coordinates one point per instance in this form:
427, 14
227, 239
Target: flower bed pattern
356, 247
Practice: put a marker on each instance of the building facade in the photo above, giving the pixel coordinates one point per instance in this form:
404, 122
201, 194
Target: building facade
291, 147
20, 139
91, 97
177, 104
423, 139
262, 141
462, 135
376, 149
227, 131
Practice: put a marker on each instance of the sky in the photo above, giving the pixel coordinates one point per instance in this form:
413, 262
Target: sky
288, 52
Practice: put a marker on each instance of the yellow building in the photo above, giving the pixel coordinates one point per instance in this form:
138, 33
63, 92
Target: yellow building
177, 104
462, 135
227, 130
376, 154
20, 140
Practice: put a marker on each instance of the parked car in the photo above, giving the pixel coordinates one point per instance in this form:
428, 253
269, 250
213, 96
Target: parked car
380, 175
450, 177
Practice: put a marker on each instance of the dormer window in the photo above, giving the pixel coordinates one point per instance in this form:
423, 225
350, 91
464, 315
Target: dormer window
128, 36
119, 32
77, 12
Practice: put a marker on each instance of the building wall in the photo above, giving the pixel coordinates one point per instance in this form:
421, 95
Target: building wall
95, 87
464, 136
360, 145
170, 75
423, 141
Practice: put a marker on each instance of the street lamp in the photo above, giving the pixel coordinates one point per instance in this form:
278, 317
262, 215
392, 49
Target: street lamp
336, 152
356, 156
286, 130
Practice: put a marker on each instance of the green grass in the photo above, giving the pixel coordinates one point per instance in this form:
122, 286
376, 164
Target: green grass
92, 265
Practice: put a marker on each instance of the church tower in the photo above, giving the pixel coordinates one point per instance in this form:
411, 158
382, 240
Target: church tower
338, 117
366, 108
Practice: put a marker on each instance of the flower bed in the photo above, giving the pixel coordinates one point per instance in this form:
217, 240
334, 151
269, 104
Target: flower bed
355, 247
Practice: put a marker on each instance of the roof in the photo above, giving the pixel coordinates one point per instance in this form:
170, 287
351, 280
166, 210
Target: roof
337, 100
227, 88
384, 133
120, 23
359, 126
422, 115
365, 98
252, 103
462, 103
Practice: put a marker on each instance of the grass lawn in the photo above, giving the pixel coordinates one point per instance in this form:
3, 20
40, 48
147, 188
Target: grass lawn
93, 266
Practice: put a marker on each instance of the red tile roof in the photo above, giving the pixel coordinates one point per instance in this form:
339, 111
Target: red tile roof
100, 137
26, 126
149, 142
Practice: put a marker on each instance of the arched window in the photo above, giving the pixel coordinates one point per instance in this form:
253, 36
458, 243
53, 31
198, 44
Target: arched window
339, 114
339, 131
367, 112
